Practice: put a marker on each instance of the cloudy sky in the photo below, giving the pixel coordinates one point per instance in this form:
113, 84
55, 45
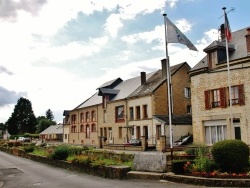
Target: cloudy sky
57, 52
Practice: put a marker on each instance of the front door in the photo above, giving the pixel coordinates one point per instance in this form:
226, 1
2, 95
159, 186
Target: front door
110, 136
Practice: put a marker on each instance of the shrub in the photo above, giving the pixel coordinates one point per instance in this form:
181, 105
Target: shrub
231, 155
29, 148
60, 153
202, 164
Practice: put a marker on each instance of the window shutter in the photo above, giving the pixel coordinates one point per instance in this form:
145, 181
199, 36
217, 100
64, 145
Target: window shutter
223, 101
207, 99
241, 95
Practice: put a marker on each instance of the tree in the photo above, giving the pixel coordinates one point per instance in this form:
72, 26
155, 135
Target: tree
22, 119
43, 124
49, 115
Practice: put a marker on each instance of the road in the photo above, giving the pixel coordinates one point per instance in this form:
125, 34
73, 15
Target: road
23, 173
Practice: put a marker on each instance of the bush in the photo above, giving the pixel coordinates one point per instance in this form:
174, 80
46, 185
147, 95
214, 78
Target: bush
29, 148
231, 155
60, 153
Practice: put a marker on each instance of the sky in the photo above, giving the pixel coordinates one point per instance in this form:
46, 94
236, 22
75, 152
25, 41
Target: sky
56, 53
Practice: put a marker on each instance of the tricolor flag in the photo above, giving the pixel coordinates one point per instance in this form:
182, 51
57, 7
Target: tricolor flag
174, 35
227, 29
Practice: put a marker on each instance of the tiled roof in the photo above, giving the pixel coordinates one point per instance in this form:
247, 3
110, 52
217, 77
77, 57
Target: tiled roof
238, 42
53, 129
176, 119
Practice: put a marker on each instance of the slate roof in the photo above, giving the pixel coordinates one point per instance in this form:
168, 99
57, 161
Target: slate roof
238, 43
154, 82
176, 119
125, 88
53, 129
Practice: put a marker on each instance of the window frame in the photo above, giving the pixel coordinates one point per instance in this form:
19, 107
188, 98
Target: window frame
119, 113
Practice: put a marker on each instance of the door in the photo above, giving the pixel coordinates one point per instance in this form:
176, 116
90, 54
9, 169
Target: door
237, 133
110, 136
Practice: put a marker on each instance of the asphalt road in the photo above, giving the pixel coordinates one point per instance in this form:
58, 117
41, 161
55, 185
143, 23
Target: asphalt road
17, 172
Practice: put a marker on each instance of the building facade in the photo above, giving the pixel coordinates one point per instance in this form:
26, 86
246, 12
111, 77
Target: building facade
221, 93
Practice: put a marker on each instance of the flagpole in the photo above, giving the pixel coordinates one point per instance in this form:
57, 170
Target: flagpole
228, 76
169, 88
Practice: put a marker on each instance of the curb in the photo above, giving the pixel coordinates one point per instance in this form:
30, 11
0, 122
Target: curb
200, 181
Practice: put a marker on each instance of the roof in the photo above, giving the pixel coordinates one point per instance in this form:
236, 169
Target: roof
176, 119
154, 81
53, 129
121, 91
238, 43
111, 83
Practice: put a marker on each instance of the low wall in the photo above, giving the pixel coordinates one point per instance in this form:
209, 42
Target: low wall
123, 147
112, 172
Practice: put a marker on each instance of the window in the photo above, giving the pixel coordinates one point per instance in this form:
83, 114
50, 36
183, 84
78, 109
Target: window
65, 136
73, 129
237, 95
119, 113
215, 98
82, 128
73, 119
93, 115
131, 113
138, 113
104, 116
215, 133
87, 131
81, 117
187, 92
189, 109
87, 116
93, 128
145, 111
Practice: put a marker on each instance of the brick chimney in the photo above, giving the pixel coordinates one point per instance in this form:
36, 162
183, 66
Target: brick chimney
248, 40
143, 77
164, 68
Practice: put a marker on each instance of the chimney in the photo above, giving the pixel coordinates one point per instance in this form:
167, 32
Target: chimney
143, 77
248, 40
164, 68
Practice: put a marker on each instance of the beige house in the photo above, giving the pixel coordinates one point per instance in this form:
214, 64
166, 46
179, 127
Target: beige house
214, 119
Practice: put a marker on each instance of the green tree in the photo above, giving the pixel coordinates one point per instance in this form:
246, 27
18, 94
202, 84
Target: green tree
22, 120
49, 115
43, 124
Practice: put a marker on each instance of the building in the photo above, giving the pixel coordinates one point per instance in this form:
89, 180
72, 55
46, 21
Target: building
151, 100
52, 133
214, 119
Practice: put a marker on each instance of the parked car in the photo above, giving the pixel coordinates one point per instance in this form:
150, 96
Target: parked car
134, 142
184, 140
23, 139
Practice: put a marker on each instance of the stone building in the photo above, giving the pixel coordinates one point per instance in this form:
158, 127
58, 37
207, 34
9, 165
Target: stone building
214, 117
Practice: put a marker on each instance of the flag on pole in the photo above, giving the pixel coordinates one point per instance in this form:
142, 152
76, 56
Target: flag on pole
227, 29
176, 36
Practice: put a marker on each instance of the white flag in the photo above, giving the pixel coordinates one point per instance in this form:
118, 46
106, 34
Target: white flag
176, 36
